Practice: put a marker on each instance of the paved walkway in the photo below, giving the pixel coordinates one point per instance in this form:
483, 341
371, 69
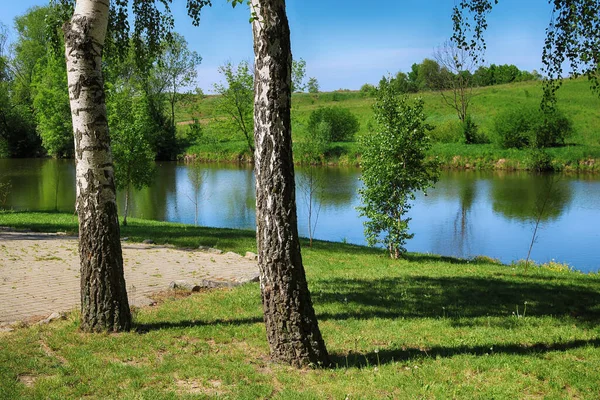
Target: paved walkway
39, 273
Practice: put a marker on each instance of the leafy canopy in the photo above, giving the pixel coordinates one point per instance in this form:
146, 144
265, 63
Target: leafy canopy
394, 167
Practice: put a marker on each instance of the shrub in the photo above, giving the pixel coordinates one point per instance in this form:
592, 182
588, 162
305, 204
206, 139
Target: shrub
470, 131
552, 128
368, 90
521, 127
538, 160
513, 128
342, 123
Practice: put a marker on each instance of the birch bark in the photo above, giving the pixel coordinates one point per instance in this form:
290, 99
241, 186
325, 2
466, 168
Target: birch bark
104, 304
292, 329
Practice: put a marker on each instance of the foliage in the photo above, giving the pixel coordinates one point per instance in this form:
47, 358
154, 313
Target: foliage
176, 67
30, 50
298, 75
394, 166
368, 90
571, 39
131, 127
236, 100
312, 148
539, 160
52, 109
341, 122
552, 128
312, 85
520, 127
471, 134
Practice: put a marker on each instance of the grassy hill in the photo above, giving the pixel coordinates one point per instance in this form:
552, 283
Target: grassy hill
575, 99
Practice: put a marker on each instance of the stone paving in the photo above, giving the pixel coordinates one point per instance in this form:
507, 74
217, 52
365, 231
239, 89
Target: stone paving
39, 273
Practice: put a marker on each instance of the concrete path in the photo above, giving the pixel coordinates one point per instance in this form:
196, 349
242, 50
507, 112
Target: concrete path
39, 273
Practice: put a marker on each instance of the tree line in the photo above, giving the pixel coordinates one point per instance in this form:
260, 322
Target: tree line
35, 116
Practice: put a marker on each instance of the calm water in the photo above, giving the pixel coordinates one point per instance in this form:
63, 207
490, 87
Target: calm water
467, 214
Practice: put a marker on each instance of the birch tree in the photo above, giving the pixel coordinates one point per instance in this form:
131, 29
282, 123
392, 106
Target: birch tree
292, 329
104, 303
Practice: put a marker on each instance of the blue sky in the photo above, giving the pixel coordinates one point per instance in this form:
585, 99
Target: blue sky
346, 44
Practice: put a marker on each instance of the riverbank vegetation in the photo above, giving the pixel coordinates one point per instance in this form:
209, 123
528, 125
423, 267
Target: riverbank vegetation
424, 326
579, 152
36, 116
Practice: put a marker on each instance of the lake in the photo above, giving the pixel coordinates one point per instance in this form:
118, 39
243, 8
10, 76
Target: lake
466, 214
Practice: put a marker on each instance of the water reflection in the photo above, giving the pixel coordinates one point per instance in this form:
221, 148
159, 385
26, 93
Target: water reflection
466, 214
526, 197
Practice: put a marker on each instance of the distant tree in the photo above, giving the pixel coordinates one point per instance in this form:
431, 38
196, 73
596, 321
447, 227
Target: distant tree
131, 128
313, 85
455, 84
394, 167
236, 99
176, 66
429, 75
298, 75
30, 50
51, 104
368, 90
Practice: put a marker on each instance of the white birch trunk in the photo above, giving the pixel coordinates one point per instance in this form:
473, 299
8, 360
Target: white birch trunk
104, 304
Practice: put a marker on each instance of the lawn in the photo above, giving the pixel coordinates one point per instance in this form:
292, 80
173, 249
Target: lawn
422, 327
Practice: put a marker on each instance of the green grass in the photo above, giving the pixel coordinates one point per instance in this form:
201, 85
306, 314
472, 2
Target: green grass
574, 98
424, 327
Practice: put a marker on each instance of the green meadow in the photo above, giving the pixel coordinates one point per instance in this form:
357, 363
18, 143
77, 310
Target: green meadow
580, 153
421, 327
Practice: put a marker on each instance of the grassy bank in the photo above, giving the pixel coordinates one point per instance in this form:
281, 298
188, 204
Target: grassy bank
424, 327
582, 152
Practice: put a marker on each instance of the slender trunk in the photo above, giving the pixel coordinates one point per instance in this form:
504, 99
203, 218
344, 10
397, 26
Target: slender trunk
291, 324
104, 304
126, 206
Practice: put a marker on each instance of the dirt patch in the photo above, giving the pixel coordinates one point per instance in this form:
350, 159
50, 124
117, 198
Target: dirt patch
39, 273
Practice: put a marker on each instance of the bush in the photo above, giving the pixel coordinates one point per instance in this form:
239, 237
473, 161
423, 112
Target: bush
552, 129
538, 160
470, 131
513, 128
518, 128
342, 123
368, 90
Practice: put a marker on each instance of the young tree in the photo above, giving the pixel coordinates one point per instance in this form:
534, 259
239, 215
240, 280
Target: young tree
130, 127
456, 77
292, 328
313, 85
236, 99
176, 67
394, 167
298, 75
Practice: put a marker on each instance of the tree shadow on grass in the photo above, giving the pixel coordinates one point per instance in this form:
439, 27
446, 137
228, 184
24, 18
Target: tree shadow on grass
143, 328
459, 298
387, 356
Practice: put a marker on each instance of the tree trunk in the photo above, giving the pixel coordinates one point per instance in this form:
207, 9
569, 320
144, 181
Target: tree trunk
126, 206
104, 304
292, 329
